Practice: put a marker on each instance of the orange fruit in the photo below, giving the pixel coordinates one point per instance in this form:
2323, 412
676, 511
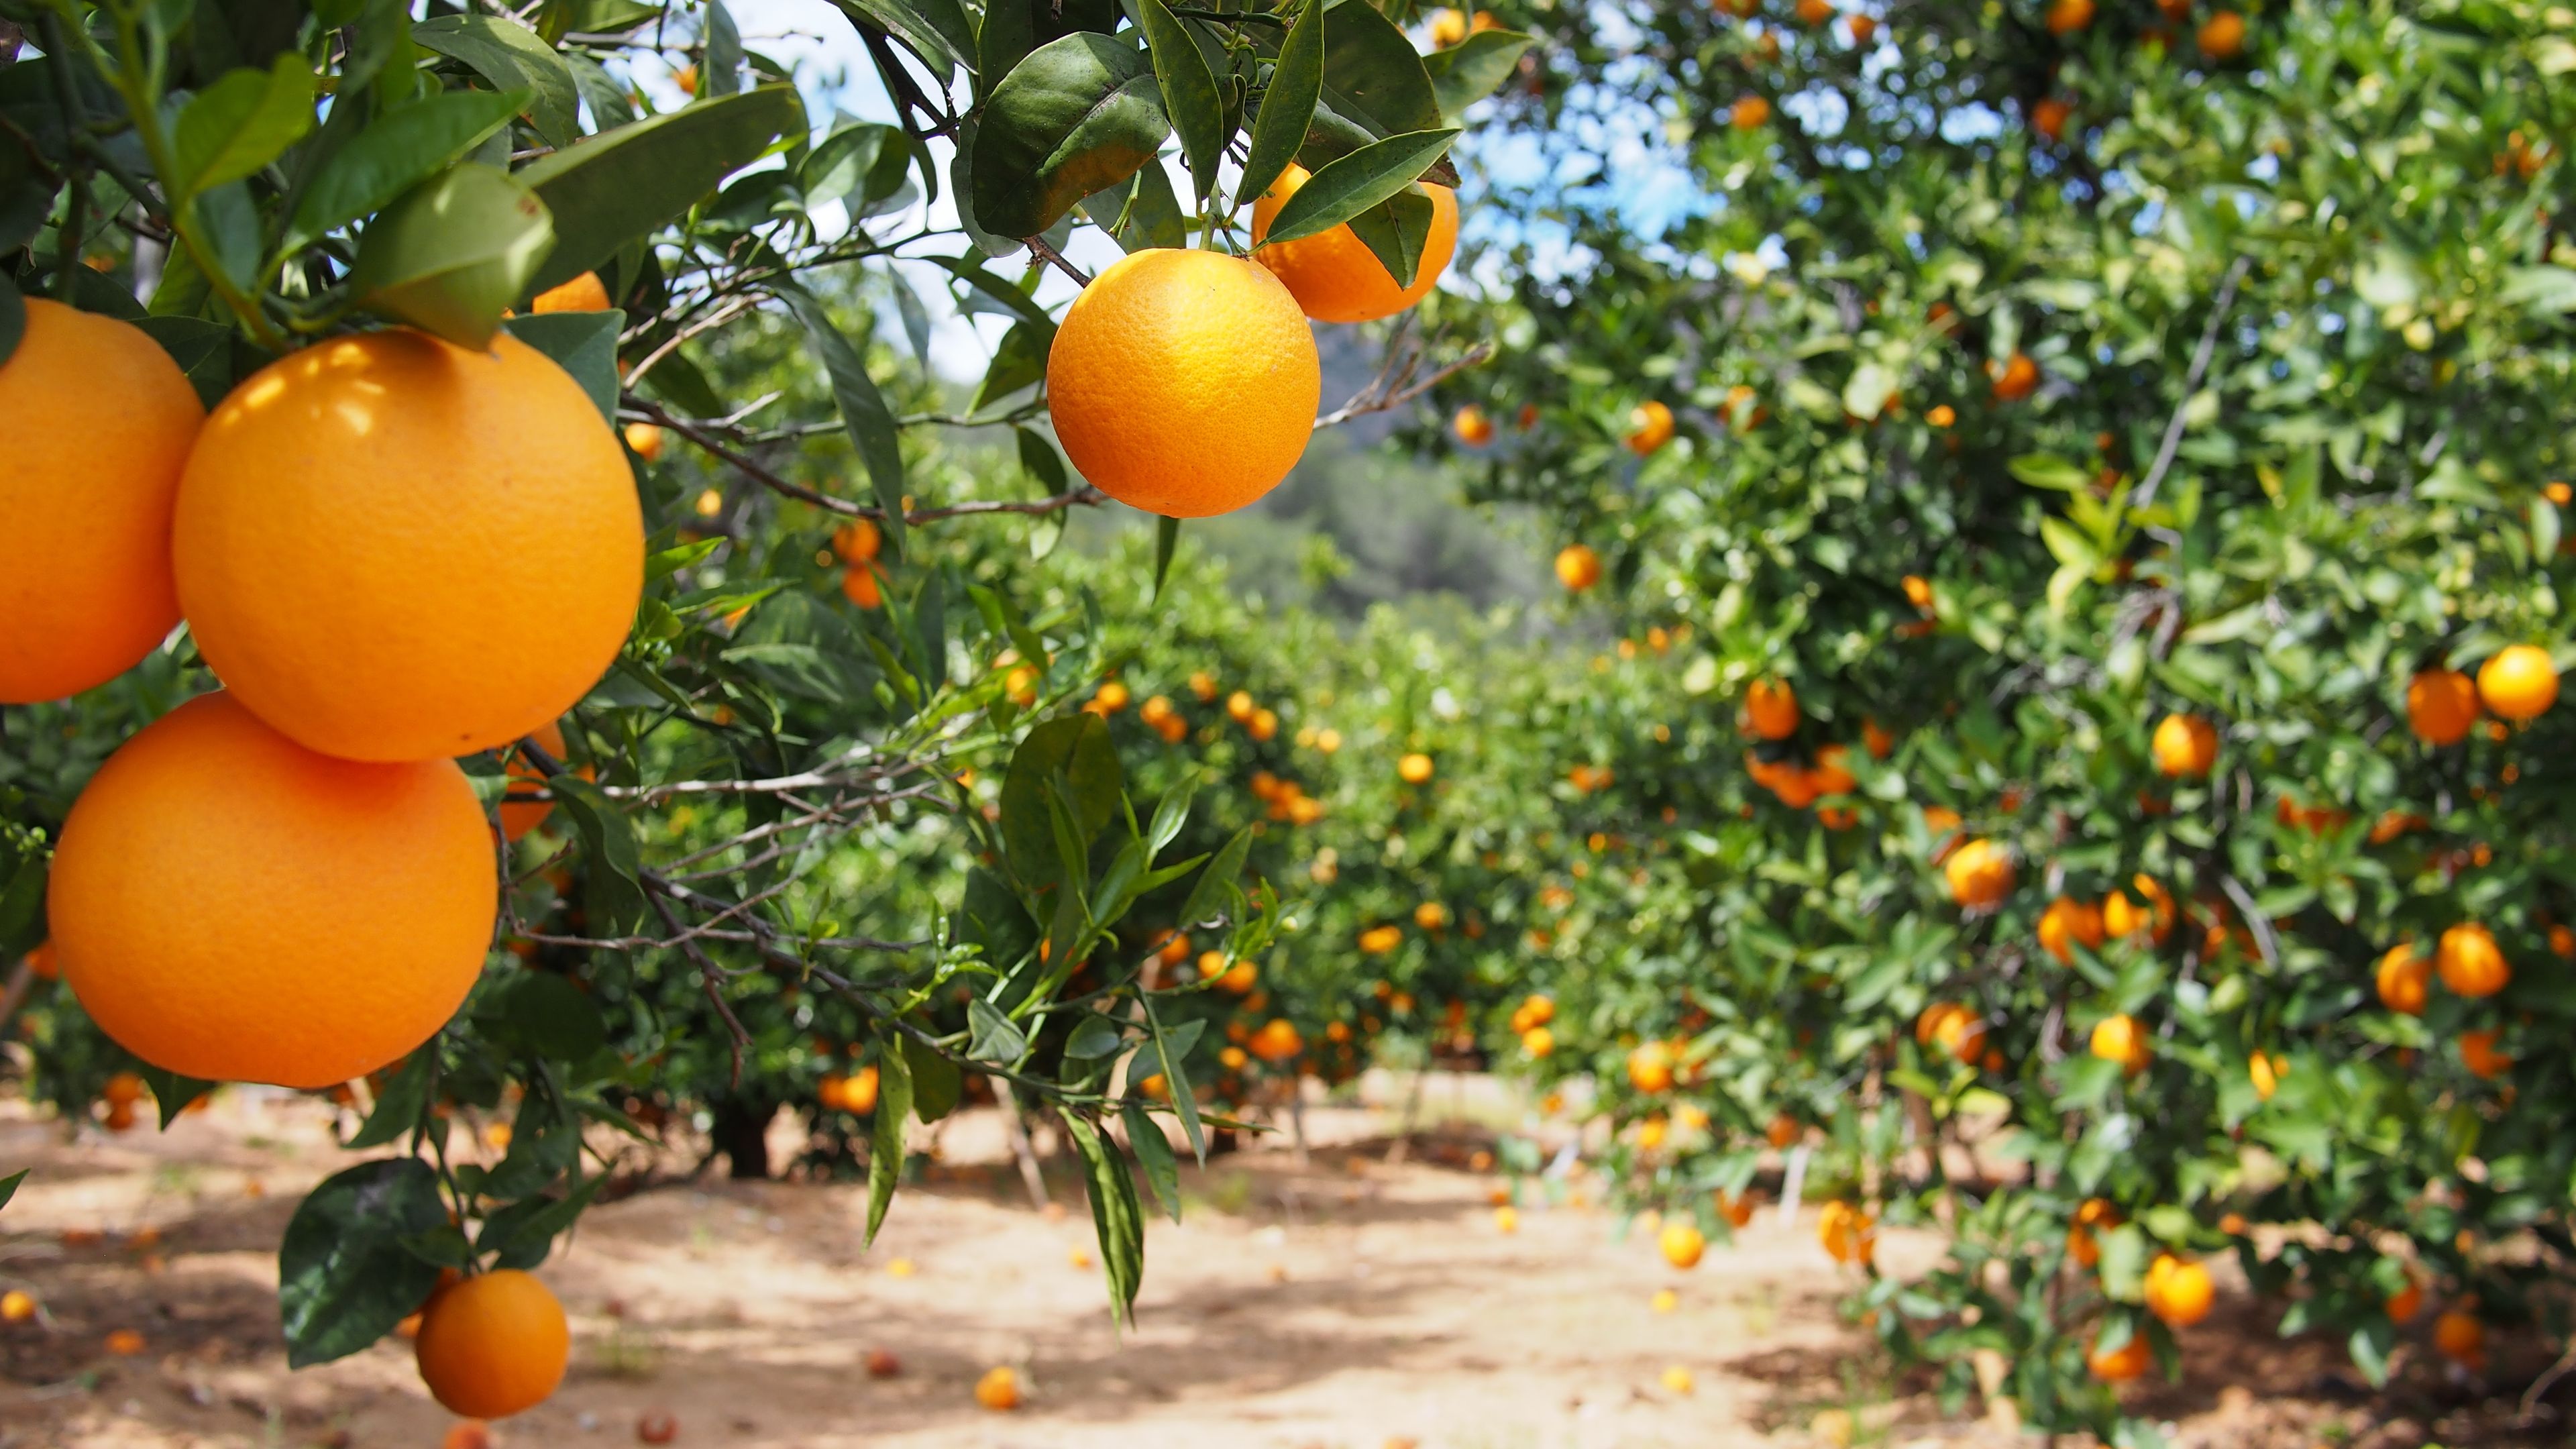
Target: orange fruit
2065, 17
1848, 1234
391, 548
1771, 709
1736, 1208
2185, 745
16, 1306
2441, 705
2266, 1073
1378, 940
1650, 1067
2049, 116
2178, 1291
1749, 113
1333, 274
2016, 378
2518, 682
1862, 27
1682, 1244
1507, 1220
1650, 426
1979, 873
2068, 921
2470, 962
1815, 12
859, 1092
102, 424
1784, 1131
857, 541
1578, 567
1539, 1042
1448, 27
2404, 979
1471, 426
1184, 383
124, 1343
1277, 1041
204, 893
2119, 1365
585, 293
2406, 1302
2222, 36
998, 1389
2459, 1337
644, 440
526, 815
1830, 775
1414, 769
2120, 1038
492, 1345
2478, 1053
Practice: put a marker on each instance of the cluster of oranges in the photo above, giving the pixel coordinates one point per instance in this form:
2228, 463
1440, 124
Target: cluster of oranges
1771, 714
1530, 1023
356, 537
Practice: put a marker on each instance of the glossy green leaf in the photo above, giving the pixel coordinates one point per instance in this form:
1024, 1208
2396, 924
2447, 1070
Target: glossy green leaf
513, 58
885, 1134
620, 186
1374, 74
241, 123
454, 253
937, 1084
1288, 106
1077, 115
1473, 69
581, 343
344, 1279
1397, 231
396, 152
1344, 188
1154, 1155
936, 30
1116, 1215
1076, 748
1190, 100
863, 412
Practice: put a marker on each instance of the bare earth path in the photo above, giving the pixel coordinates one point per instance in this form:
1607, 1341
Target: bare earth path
1353, 1304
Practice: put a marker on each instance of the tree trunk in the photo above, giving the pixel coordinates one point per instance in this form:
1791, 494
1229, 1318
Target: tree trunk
741, 1133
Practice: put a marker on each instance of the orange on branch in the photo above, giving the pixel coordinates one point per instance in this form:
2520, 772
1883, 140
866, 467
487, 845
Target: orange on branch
391, 548
493, 1345
2441, 706
585, 293
1333, 274
2518, 682
2185, 746
1578, 567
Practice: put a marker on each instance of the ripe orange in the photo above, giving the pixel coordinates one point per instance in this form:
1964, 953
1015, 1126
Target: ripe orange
644, 440
2065, 17
1980, 873
2459, 1337
2406, 1302
1848, 1234
102, 423
2441, 705
1414, 769
998, 1389
1578, 567
1682, 1244
391, 548
1650, 426
2093, 1213
2185, 745
1184, 383
2119, 1365
1378, 940
2068, 921
204, 893
1771, 708
2151, 920
2405, 979
124, 1343
2518, 682
585, 293
492, 1345
2120, 1038
1333, 274
2222, 36
2015, 379
1650, 1067
16, 1306
1539, 1042
1815, 12
1749, 113
2266, 1073
2470, 962
1831, 775
2478, 1053
1277, 1041
2049, 116
1784, 1131
2178, 1291
1507, 1220
1471, 426
1862, 26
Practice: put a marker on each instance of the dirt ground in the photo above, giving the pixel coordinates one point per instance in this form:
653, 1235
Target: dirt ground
1351, 1304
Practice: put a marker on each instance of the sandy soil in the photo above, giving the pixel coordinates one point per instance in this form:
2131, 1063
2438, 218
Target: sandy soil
1351, 1304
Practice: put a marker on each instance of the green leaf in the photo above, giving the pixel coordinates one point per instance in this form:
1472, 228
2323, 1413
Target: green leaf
1115, 1213
1288, 106
241, 123
13, 318
1170, 1051
344, 1279
1220, 873
1094, 1037
1345, 187
1077, 748
1143, 214
1167, 541
396, 152
583, 344
522, 1234
993, 1037
171, 1092
620, 186
513, 58
936, 30
1373, 74
398, 1106
1397, 231
9, 1184
863, 411
616, 894
1473, 69
720, 72
2123, 1262
2043, 470
1154, 1154
937, 1085
22, 890
885, 1134
1018, 363
1079, 114
454, 253
1190, 100
543, 1014
2545, 291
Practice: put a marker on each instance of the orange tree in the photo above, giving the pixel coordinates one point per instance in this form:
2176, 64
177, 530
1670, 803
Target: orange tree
520, 460
2138, 425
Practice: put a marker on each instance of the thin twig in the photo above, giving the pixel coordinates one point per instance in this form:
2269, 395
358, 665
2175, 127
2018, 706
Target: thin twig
2200, 356
1085, 496
1046, 252
1375, 400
